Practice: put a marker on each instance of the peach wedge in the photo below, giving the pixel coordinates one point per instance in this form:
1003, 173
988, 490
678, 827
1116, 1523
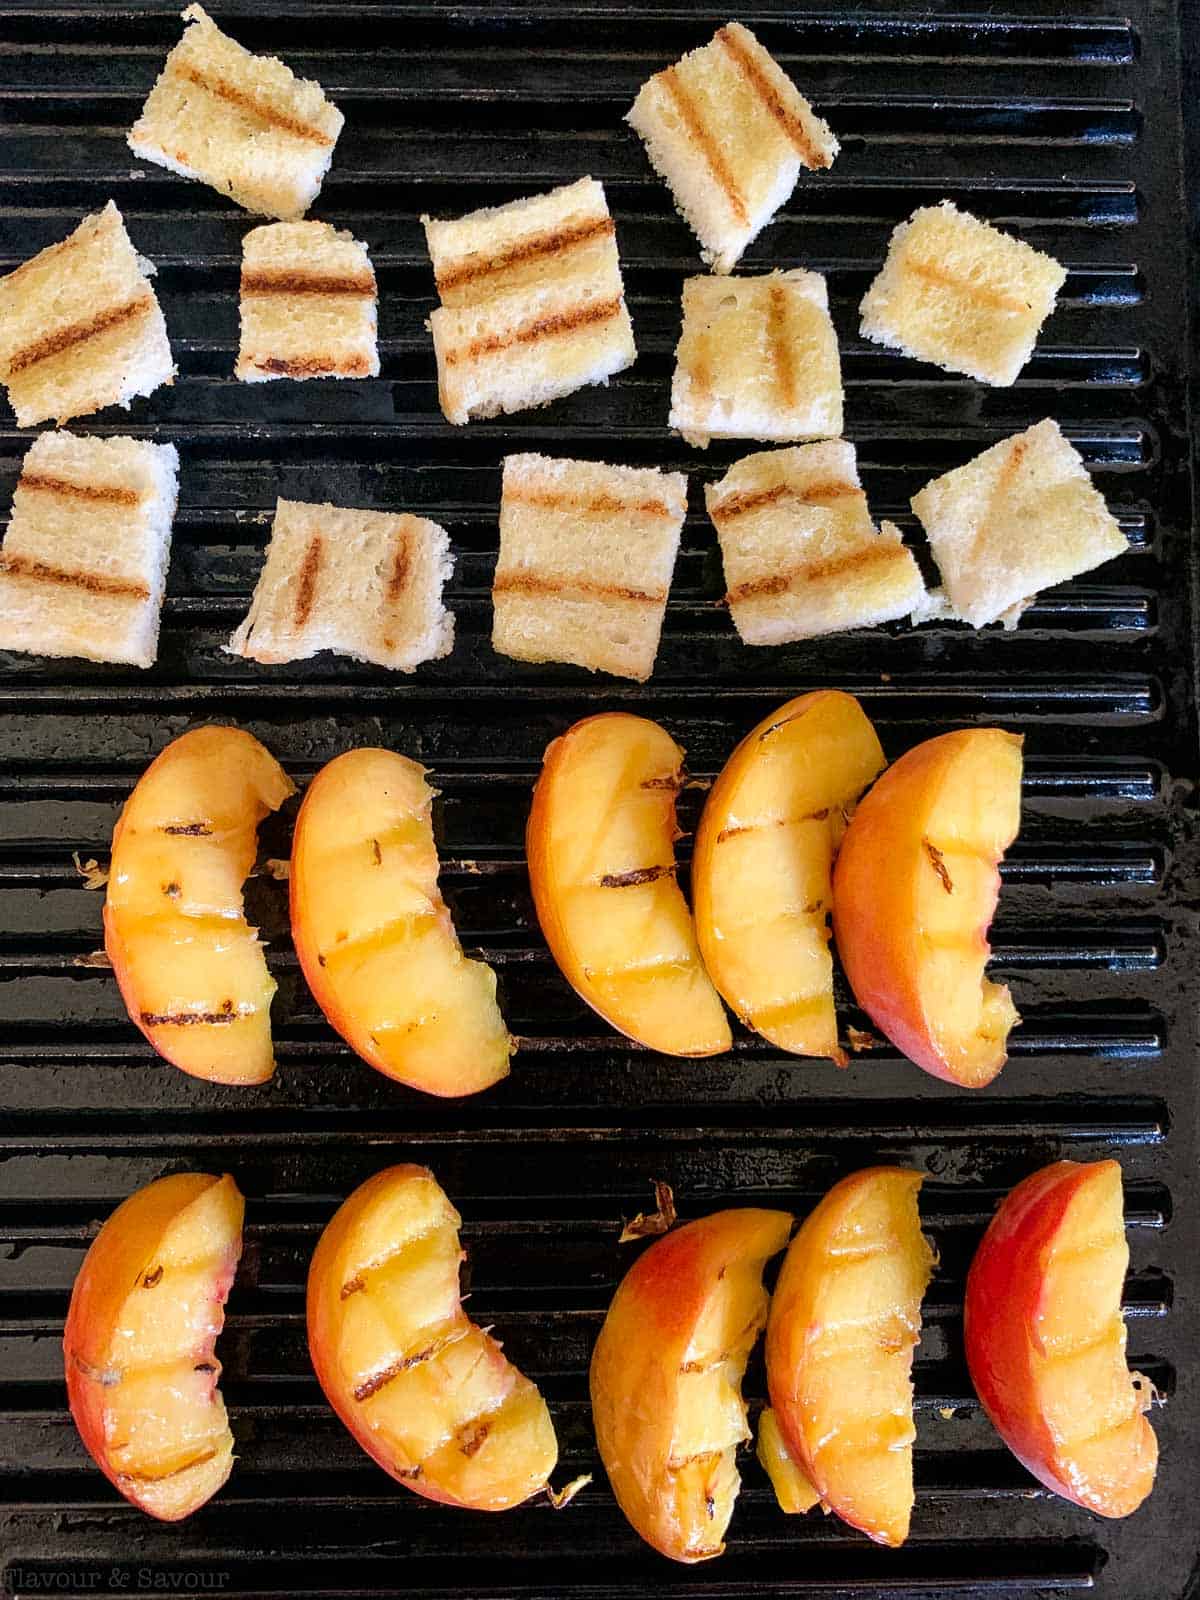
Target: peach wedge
601, 849
761, 874
427, 1394
190, 968
138, 1348
374, 935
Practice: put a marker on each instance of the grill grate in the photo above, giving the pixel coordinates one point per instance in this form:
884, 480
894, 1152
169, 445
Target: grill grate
1065, 128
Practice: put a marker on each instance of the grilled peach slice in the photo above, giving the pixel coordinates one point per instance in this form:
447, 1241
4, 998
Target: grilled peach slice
190, 968
761, 872
140, 1365
792, 1489
914, 891
374, 936
1046, 1342
845, 1317
667, 1372
425, 1392
601, 849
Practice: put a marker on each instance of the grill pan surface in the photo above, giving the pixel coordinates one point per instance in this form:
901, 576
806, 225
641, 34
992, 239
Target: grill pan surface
1062, 122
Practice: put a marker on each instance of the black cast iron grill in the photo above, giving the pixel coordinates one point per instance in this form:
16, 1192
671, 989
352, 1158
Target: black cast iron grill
1065, 128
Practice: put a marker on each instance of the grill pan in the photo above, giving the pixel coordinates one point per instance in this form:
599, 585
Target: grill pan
1061, 122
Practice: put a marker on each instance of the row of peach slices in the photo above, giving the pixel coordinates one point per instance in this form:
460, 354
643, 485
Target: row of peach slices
909, 874
431, 1397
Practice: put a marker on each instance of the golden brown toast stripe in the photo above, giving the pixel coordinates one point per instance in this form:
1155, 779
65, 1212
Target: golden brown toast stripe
306, 585
356, 366
112, 494
560, 241
544, 328
766, 92
779, 347
707, 145
266, 114
53, 344
1004, 478
780, 583
361, 286
531, 583
983, 293
93, 582
397, 579
814, 495
600, 504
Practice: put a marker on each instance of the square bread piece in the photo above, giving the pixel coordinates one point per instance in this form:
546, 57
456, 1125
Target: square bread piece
308, 304
243, 123
366, 584
84, 562
959, 293
533, 306
1017, 519
802, 557
586, 557
757, 359
80, 326
729, 131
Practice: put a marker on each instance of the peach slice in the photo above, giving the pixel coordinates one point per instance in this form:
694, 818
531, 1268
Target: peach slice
914, 892
601, 849
792, 1489
761, 873
190, 968
1046, 1341
845, 1317
426, 1393
139, 1342
666, 1377
374, 935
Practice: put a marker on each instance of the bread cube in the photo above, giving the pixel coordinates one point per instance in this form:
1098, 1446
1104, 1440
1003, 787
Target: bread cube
80, 326
729, 131
83, 565
533, 306
1020, 517
245, 124
801, 555
366, 584
959, 293
586, 557
308, 304
757, 359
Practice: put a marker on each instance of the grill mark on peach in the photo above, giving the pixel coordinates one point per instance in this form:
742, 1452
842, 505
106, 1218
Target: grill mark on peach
190, 1019
53, 344
472, 1438
372, 1386
600, 504
153, 1279
531, 583
267, 114
673, 781
111, 494
188, 830
311, 366
764, 588
708, 146
772, 101
938, 863
543, 328
175, 1472
776, 822
561, 240
92, 582
261, 282
812, 495
996, 299
306, 585
634, 877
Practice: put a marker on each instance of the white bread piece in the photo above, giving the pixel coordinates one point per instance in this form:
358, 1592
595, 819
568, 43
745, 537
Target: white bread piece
958, 292
802, 557
81, 327
245, 124
533, 306
757, 359
366, 584
729, 131
1020, 517
308, 304
586, 557
83, 565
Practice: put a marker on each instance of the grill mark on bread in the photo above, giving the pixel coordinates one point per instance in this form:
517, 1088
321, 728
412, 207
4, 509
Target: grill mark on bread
93, 582
401, 563
635, 877
287, 283
270, 115
772, 101
532, 583
780, 583
544, 327
708, 146
356, 366
557, 242
996, 299
1008, 471
306, 585
815, 494
599, 504
190, 1019
780, 350
110, 493
53, 344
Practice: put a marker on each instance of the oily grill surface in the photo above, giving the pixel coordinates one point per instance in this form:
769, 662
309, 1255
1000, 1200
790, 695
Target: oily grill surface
1062, 124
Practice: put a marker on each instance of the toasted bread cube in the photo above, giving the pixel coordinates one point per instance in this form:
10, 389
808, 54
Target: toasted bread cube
1020, 517
533, 306
757, 359
308, 304
83, 565
366, 584
729, 131
586, 557
802, 557
959, 293
80, 326
244, 124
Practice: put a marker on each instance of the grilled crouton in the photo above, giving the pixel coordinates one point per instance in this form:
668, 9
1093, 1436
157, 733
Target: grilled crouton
80, 326
307, 304
729, 131
801, 554
586, 556
1020, 517
533, 306
366, 584
244, 124
84, 562
959, 293
757, 359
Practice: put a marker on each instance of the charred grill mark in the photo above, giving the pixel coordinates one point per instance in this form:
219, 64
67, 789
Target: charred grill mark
376, 852
708, 146
636, 876
92, 582
673, 781
361, 287
354, 1285
408, 1474
542, 244
312, 366
811, 495
189, 1019
188, 830
163, 1477
111, 494
775, 822
781, 583
400, 569
779, 346
531, 583
470, 1440
599, 504
53, 344
373, 1385
982, 293
152, 1279
938, 863
543, 328
172, 891
710, 1505
269, 115
772, 102
306, 585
